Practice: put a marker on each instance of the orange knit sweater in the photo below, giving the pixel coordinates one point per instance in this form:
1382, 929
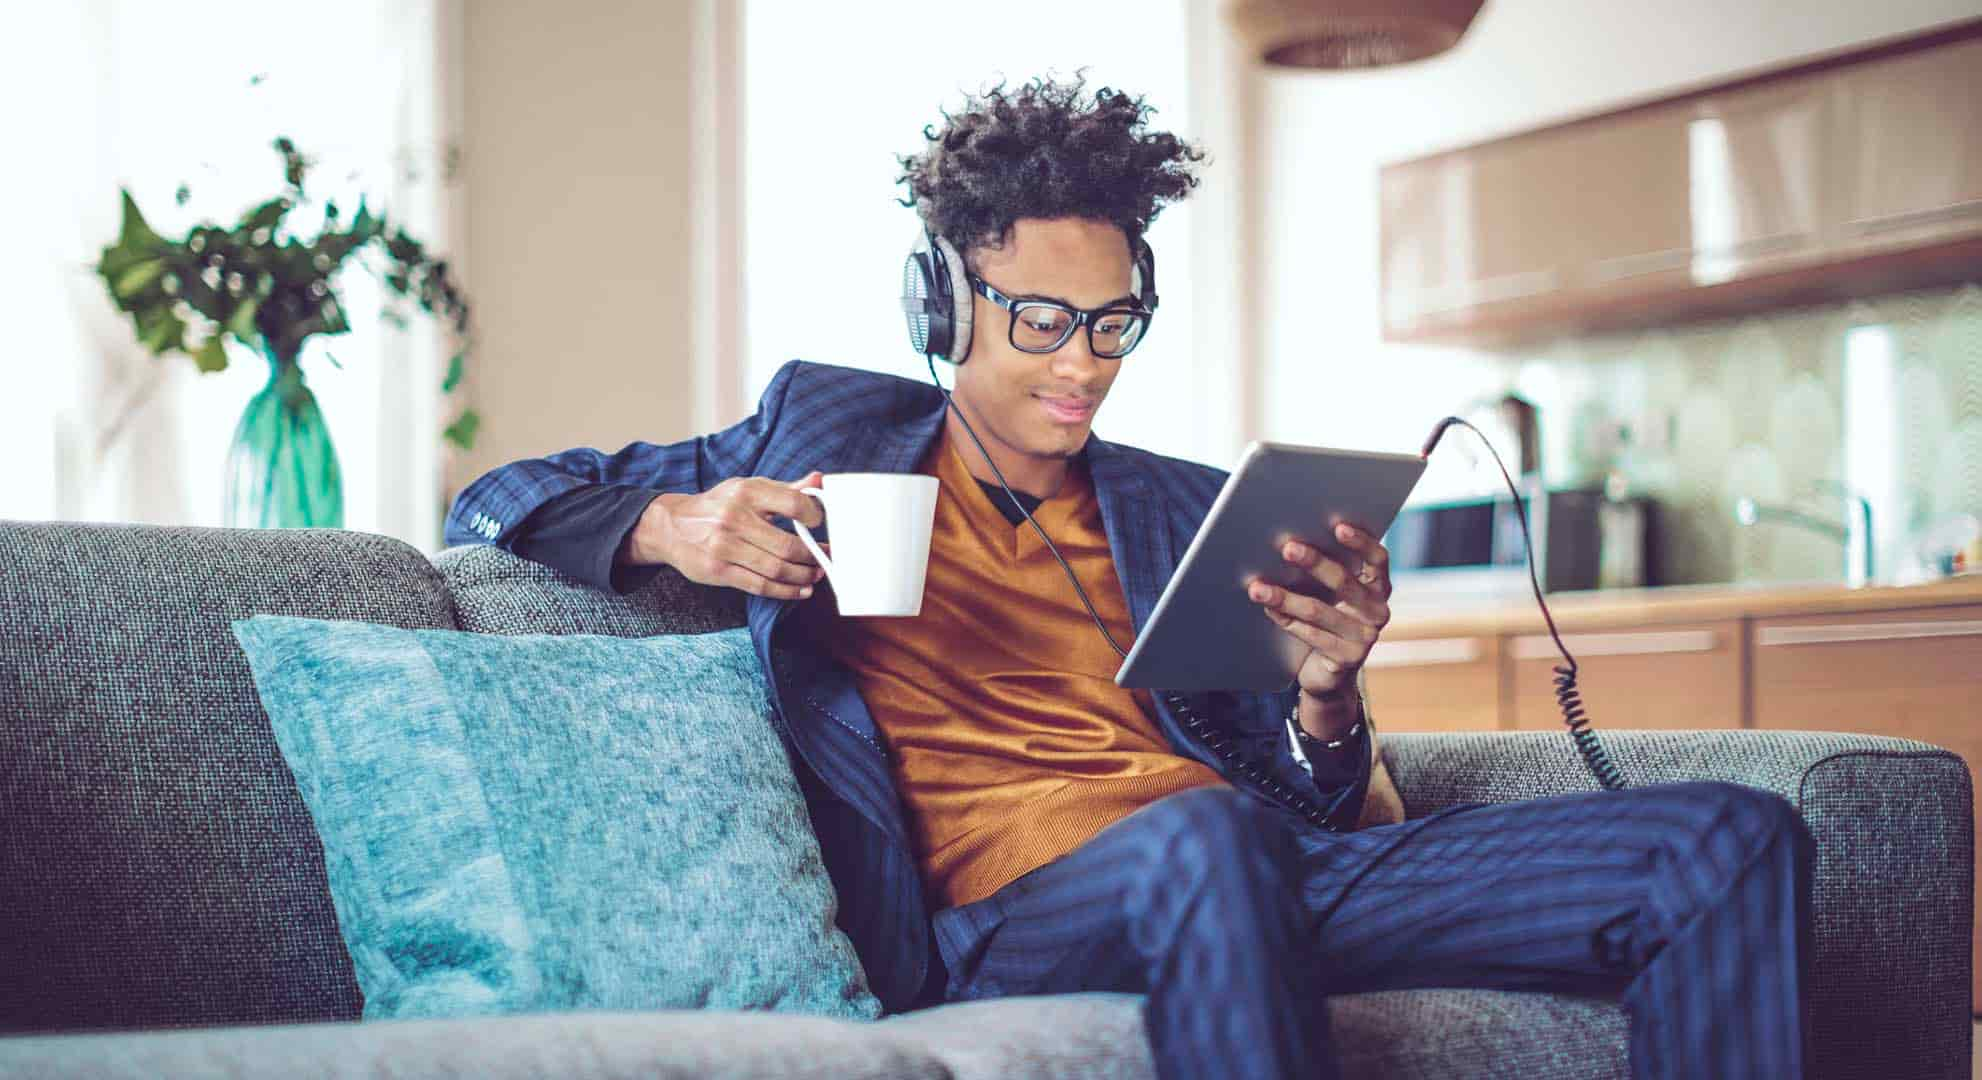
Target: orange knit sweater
1010, 741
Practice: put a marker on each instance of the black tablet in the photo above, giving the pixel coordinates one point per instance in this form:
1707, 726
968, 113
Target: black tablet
1205, 633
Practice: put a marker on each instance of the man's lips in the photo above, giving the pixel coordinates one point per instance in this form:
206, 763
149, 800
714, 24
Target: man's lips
1068, 409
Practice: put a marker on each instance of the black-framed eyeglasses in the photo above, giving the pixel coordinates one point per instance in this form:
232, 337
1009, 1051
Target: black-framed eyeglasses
1042, 326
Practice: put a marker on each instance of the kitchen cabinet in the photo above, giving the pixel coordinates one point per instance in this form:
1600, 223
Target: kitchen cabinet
1911, 674
1759, 190
1908, 155
1435, 684
1479, 235
1426, 249
1517, 249
1851, 175
1901, 661
1631, 210
1682, 676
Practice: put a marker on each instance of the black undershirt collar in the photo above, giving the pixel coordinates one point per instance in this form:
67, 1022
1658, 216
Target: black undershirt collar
1004, 503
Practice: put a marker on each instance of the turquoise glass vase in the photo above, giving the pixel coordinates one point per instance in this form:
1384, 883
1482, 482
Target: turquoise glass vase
282, 469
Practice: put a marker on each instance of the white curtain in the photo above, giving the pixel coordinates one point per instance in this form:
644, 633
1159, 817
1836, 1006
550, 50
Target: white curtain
151, 96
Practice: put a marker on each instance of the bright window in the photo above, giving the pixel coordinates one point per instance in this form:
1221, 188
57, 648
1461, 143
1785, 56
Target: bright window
833, 92
148, 96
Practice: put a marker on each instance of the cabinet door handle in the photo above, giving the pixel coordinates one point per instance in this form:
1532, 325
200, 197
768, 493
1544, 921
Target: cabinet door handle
1883, 222
1492, 290
1412, 653
1835, 633
1619, 267
1539, 646
1762, 245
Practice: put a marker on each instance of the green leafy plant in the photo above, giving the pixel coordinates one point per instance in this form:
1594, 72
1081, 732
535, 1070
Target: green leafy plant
270, 289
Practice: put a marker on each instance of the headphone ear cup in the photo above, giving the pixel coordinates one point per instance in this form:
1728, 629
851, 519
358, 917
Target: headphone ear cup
949, 261
922, 303
1142, 279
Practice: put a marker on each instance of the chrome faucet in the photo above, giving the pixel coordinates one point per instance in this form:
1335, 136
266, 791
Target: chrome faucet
1855, 534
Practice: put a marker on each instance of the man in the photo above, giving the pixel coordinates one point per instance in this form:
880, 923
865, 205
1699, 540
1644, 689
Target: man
999, 818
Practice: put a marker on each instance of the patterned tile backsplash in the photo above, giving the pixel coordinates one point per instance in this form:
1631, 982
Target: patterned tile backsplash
1882, 397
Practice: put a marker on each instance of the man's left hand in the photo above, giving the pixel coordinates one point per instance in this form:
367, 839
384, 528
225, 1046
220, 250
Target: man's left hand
1340, 632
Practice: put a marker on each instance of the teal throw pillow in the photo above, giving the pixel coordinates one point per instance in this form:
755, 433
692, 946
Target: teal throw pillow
547, 822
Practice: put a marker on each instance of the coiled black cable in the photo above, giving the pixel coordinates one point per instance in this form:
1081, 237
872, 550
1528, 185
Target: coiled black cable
1567, 697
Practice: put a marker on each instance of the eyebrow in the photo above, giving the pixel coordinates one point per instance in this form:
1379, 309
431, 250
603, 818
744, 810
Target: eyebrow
1116, 302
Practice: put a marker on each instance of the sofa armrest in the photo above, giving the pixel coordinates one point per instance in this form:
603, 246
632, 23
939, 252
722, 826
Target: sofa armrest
1893, 901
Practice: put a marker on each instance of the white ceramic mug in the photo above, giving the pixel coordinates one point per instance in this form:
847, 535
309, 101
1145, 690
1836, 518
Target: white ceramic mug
880, 528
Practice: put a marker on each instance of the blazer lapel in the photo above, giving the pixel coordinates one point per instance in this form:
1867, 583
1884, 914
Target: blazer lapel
1138, 527
1138, 530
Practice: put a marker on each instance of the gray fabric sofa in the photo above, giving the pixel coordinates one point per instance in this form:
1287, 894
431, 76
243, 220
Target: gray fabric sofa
163, 909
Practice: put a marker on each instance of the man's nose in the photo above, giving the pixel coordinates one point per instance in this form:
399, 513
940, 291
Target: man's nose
1075, 361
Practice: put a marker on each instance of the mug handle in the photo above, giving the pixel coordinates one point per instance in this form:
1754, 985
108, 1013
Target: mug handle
805, 534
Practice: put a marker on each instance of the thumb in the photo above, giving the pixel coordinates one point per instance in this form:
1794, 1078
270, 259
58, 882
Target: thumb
811, 479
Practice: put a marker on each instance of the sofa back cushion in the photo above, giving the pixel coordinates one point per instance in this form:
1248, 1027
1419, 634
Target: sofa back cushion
496, 592
157, 866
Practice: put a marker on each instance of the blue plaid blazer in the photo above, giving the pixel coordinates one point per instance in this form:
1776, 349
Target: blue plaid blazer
838, 419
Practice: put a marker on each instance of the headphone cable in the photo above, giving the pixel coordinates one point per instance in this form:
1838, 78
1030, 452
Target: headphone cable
1567, 697
951, 404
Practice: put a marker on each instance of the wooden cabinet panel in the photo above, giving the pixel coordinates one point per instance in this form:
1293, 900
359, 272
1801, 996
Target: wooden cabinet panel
1760, 194
1631, 208
1674, 677
1520, 247
1435, 684
1426, 243
1909, 147
1910, 674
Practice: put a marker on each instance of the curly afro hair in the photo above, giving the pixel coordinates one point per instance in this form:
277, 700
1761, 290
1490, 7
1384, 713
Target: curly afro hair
1040, 152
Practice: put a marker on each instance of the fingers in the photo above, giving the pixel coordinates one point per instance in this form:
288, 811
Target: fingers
785, 500
734, 543
752, 526
1328, 649
762, 549
1362, 543
1359, 600
1320, 625
1375, 571
741, 577
749, 540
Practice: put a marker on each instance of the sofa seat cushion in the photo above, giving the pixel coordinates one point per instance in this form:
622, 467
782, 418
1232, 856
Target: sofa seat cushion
1432, 1034
539, 822
600, 1045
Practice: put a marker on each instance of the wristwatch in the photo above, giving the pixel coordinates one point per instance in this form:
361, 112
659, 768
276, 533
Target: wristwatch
1338, 747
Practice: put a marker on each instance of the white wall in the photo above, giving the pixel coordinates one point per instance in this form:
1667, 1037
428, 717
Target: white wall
578, 122
1524, 63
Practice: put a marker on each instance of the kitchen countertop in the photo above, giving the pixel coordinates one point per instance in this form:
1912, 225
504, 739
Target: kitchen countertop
1604, 609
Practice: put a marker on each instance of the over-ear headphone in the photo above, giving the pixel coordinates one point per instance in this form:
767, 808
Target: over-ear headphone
933, 281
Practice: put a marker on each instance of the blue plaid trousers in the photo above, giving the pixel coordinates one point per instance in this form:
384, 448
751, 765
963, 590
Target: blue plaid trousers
1237, 920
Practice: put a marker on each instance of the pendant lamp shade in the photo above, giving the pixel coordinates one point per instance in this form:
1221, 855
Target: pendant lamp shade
1341, 34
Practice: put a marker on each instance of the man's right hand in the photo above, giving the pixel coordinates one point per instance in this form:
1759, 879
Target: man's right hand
724, 536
